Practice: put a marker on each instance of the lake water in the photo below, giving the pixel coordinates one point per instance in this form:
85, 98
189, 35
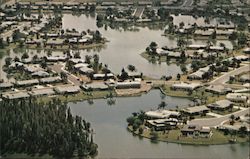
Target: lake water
124, 47
113, 139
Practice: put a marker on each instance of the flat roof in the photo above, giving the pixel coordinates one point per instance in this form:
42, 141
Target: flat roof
50, 79
196, 109
44, 91
27, 82
67, 89
15, 95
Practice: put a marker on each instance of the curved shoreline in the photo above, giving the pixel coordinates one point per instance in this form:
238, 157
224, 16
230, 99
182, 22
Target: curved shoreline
194, 143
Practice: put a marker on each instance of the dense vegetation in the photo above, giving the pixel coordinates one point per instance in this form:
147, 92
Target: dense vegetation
36, 128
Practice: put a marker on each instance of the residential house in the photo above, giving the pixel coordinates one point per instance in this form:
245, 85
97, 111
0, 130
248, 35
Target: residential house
185, 86
50, 80
196, 131
42, 92
198, 75
26, 82
67, 89
162, 124
15, 95
221, 105
95, 86
197, 110
128, 84
162, 114
100, 76
237, 97
5, 85
218, 89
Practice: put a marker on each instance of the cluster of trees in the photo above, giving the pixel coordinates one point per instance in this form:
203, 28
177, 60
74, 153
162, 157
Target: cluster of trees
136, 121
37, 128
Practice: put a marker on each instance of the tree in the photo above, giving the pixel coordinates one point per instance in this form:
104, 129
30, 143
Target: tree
131, 68
2, 45
178, 76
124, 75
153, 47
8, 61
184, 69
25, 56
162, 105
232, 119
88, 59
242, 39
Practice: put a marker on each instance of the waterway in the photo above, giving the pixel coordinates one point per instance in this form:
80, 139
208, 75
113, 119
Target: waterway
114, 141
124, 47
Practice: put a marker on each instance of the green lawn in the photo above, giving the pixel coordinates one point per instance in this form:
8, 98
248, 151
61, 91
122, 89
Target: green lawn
79, 97
218, 137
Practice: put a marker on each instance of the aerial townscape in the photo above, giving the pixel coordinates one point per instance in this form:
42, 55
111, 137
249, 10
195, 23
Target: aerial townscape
125, 79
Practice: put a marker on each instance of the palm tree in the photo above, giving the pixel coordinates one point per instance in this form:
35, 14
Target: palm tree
162, 105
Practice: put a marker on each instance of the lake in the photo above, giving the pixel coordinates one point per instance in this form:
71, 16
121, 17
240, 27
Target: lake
113, 139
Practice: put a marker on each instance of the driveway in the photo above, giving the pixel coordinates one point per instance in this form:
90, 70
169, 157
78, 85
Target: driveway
213, 122
58, 68
225, 77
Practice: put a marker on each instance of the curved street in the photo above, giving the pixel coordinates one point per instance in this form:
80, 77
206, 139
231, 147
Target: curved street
213, 122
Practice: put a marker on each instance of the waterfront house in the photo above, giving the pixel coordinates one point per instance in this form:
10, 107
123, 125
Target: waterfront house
237, 97
196, 131
218, 89
197, 110
15, 95
162, 114
86, 71
185, 86
128, 84
26, 82
95, 86
102, 76
42, 92
80, 65
67, 89
162, 124
221, 105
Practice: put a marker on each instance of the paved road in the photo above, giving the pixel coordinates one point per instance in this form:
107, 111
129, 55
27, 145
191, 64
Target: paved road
58, 68
213, 122
224, 78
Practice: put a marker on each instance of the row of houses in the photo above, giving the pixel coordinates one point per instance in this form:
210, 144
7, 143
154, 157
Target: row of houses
220, 105
46, 80
62, 89
71, 5
111, 85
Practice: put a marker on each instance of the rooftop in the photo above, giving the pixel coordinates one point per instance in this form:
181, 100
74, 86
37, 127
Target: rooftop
196, 109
